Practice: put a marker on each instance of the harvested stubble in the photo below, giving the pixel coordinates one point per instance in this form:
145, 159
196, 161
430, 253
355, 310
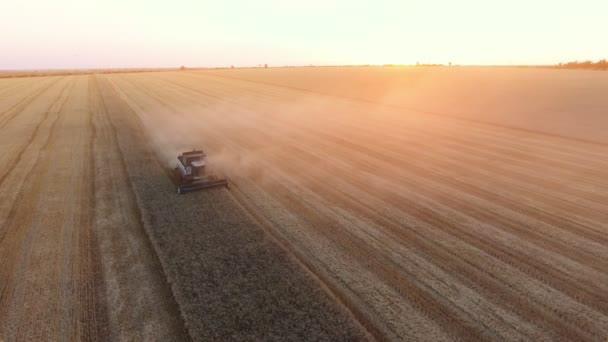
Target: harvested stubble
231, 280
75, 263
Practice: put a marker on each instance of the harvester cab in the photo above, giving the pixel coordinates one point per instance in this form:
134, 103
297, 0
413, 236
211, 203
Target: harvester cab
191, 174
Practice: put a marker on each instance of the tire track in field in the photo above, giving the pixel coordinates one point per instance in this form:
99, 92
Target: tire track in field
27, 200
97, 319
55, 106
10, 113
78, 289
54, 225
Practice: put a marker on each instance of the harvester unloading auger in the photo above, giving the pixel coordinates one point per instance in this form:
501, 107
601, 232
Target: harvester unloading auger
191, 175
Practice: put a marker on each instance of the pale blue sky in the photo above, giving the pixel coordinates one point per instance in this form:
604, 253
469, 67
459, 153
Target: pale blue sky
138, 33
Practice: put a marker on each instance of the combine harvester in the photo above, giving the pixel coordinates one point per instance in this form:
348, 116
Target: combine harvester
191, 175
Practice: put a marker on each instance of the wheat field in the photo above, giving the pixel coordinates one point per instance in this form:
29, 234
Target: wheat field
421, 203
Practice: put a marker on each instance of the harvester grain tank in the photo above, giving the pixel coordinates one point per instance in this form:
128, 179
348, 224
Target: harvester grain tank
191, 174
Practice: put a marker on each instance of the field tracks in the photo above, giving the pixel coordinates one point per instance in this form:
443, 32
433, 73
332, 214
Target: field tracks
53, 109
21, 226
173, 326
11, 112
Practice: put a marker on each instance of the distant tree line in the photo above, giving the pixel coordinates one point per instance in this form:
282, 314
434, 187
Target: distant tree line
599, 65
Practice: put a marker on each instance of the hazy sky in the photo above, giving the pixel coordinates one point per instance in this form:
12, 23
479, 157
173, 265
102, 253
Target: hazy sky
137, 33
